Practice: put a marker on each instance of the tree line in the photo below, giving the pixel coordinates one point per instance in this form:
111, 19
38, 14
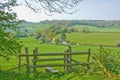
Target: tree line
97, 23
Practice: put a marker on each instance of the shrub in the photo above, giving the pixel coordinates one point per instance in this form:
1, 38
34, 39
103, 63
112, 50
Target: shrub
111, 60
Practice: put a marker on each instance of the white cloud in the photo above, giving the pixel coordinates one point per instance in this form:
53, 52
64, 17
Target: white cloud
24, 13
92, 9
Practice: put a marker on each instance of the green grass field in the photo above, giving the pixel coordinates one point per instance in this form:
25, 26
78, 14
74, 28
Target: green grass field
94, 38
97, 29
87, 38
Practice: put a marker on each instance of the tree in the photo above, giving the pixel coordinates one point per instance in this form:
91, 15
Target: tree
8, 45
8, 21
51, 6
85, 29
63, 37
38, 35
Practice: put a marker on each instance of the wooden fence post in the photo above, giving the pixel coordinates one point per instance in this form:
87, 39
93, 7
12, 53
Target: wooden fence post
34, 61
27, 60
88, 60
67, 52
35, 52
70, 57
67, 60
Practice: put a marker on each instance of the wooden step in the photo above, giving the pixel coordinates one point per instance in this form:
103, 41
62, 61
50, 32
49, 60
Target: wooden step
51, 69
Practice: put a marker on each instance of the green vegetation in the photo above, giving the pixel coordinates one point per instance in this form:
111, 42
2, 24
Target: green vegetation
31, 42
92, 25
8, 43
75, 36
94, 38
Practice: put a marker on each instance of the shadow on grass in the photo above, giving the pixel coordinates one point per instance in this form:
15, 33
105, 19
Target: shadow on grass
6, 75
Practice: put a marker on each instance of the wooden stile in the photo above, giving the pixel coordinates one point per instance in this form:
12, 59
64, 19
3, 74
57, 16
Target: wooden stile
67, 58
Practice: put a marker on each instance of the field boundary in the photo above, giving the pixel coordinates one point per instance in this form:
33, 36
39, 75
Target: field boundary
68, 62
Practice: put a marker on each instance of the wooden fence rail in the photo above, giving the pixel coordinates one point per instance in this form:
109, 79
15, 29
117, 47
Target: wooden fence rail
67, 59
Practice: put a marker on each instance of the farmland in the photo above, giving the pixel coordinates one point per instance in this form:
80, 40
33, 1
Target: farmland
89, 38
81, 41
95, 38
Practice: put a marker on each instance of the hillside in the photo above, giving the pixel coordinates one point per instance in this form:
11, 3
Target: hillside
93, 25
69, 23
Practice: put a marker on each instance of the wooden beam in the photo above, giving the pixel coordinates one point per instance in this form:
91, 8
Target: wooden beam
52, 59
53, 54
55, 65
75, 61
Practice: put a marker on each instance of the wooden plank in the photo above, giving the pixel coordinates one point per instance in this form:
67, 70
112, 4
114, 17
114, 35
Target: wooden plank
53, 54
75, 61
16, 67
53, 59
55, 65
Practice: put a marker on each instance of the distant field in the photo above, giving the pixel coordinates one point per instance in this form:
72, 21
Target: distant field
39, 27
97, 29
94, 38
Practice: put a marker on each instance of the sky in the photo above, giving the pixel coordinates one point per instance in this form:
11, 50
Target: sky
89, 10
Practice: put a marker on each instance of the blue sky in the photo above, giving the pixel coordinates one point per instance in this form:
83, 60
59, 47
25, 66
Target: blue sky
89, 10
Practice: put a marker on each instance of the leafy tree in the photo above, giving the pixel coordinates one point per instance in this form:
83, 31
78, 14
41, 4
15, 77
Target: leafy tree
50, 36
42, 39
8, 22
38, 35
63, 37
85, 29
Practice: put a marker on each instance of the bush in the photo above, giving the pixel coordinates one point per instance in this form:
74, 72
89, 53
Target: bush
111, 60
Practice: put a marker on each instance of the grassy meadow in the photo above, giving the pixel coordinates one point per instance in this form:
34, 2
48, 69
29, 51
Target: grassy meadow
94, 38
100, 38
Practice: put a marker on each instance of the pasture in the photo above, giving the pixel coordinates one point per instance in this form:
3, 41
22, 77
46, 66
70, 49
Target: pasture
82, 38
103, 38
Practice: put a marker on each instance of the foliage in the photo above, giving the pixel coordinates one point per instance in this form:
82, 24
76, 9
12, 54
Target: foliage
111, 60
96, 23
38, 35
31, 42
73, 42
85, 30
8, 23
42, 39
63, 37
